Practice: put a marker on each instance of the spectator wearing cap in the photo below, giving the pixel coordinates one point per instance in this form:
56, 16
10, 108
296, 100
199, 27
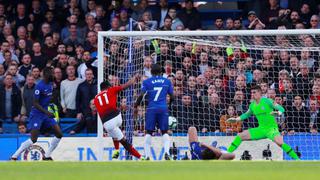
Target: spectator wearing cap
176, 22
190, 16
254, 20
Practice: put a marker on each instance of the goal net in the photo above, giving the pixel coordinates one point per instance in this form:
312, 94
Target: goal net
212, 72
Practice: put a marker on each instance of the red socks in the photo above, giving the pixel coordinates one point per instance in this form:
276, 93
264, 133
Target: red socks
134, 152
116, 144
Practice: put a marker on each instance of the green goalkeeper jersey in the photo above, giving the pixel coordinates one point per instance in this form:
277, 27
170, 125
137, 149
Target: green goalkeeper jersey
262, 111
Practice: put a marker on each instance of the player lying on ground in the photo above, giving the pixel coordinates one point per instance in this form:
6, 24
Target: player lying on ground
201, 151
156, 89
263, 109
41, 117
106, 104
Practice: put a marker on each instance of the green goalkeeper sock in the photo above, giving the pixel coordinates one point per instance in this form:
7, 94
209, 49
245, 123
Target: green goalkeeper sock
235, 144
289, 151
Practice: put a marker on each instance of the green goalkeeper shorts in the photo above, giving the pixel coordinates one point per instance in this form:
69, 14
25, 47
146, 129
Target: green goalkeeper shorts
263, 133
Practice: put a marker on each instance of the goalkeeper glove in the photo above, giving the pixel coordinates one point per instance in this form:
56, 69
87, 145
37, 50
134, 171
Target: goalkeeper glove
276, 113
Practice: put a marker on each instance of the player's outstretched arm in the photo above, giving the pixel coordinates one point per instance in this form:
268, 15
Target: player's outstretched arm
279, 109
130, 82
37, 105
241, 118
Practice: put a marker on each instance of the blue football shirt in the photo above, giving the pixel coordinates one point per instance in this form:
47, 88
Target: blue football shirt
157, 88
43, 93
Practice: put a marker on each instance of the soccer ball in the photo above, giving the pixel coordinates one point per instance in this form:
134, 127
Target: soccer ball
172, 122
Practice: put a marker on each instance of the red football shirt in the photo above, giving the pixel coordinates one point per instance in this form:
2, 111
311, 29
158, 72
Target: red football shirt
106, 101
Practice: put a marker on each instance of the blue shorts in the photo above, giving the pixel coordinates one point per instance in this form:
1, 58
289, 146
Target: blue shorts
195, 151
38, 121
159, 117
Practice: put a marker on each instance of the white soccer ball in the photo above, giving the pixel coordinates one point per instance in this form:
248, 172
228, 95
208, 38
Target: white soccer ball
172, 122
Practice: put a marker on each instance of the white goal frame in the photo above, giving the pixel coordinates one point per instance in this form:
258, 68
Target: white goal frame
103, 34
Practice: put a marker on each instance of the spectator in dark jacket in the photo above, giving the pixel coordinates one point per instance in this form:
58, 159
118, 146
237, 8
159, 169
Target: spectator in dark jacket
85, 92
27, 92
10, 101
190, 16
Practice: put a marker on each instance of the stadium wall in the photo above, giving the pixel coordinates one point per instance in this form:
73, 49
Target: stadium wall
86, 148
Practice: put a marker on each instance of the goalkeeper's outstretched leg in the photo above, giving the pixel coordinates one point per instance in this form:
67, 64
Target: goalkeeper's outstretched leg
285, 147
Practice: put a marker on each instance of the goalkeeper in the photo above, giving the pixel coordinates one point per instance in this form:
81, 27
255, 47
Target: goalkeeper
263, 109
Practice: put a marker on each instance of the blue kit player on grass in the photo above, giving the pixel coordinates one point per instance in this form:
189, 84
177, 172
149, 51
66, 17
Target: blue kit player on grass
156, 90
40, 117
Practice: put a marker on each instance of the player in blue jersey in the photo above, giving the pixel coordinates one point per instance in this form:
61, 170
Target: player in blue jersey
156, 90
202, 151
40, 117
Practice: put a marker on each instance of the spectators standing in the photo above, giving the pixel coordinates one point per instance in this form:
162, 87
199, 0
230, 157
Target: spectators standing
68, 93
10, 101
86, 91
27, 92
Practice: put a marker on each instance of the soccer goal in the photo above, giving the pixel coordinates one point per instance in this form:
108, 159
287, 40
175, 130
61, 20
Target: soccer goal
212, 72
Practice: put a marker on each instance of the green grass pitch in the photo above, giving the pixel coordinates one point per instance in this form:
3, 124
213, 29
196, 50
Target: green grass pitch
185, 170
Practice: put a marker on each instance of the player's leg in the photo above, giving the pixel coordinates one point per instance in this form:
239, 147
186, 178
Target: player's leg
276, 137
35, 123
163, 121
26, 144
243, 136
149, 128
55, 140
109, 126
118, 135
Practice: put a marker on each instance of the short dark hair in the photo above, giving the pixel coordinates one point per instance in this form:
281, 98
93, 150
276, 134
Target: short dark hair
208, 154
156, 69
256, 87
104, 85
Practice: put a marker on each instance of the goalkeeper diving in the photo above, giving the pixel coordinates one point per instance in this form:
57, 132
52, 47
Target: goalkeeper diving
265, 110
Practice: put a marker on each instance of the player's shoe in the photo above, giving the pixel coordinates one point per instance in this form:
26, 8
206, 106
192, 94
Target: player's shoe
13, 159
167, 157
144, 158
47, 158
115, 154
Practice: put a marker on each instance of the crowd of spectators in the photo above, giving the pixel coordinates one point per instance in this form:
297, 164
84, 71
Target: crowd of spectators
211, 83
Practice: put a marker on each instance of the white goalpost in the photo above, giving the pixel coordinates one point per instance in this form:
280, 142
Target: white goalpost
212, 72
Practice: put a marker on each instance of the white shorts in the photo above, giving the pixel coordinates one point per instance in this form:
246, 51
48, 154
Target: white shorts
112, 127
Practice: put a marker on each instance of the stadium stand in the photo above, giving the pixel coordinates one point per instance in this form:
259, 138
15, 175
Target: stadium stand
35, 34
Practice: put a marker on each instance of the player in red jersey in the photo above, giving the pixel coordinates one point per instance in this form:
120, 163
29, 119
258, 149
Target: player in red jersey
106, 104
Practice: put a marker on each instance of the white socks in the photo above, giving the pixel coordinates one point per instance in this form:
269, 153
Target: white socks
147, 145
54, 143
22, 147
166, 143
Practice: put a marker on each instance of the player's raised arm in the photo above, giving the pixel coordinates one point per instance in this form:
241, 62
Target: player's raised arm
130, 82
